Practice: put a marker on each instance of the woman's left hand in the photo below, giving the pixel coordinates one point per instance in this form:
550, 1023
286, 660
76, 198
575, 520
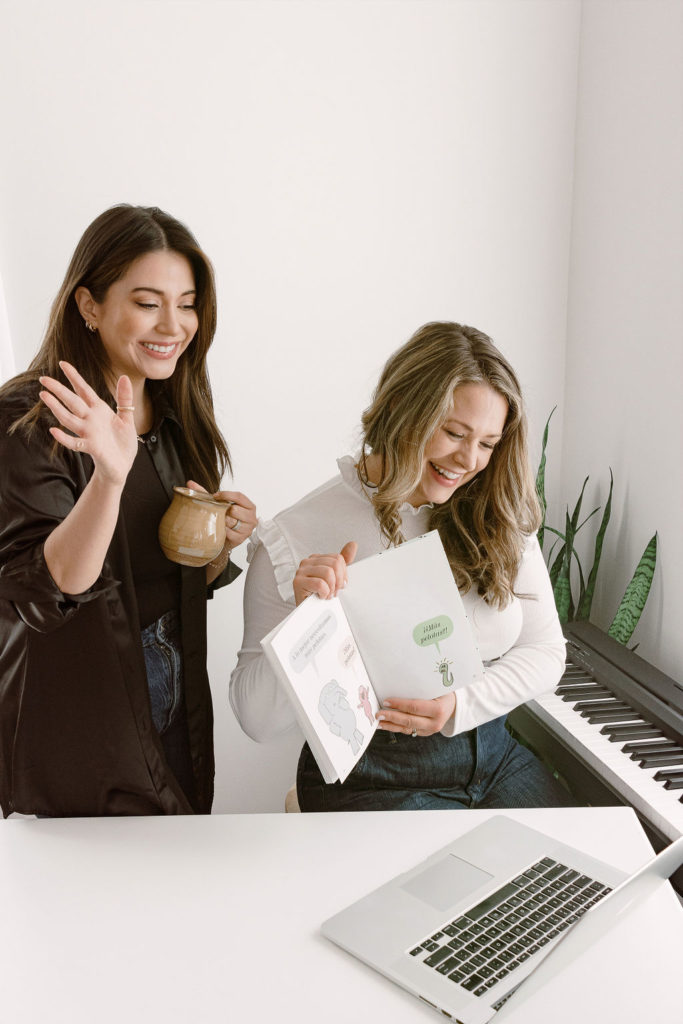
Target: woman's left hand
416, 717
240, 517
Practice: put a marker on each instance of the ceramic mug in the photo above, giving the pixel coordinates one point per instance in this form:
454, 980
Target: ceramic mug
192, 530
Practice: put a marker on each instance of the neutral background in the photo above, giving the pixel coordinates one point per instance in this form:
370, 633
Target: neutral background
355, 169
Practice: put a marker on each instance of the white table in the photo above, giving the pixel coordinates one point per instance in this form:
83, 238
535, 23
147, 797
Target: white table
215, 919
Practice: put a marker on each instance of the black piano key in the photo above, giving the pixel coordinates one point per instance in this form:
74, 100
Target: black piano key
611, 716
647, 754
639, 730
649, 747
601, 705
673, 784
655, 760
585, 685
585, 693
675, 773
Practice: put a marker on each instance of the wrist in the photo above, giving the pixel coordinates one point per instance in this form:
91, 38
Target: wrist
105, 485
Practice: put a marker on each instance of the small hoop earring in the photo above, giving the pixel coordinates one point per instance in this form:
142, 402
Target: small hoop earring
91, 327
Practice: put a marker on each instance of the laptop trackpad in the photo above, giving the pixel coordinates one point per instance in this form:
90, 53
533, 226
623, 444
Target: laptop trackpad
446, 882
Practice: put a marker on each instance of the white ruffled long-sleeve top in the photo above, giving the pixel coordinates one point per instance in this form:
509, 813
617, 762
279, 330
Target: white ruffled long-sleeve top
522, 645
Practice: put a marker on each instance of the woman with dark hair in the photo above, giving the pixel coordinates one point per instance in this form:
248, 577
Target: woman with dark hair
105, 705
445, 448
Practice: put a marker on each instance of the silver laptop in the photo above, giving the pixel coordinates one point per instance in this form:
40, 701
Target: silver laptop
467, 927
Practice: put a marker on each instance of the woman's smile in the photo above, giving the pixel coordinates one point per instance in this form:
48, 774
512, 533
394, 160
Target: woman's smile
463, 444
158, 351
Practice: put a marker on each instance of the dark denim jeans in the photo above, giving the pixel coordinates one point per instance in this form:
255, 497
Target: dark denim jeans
163, 652
162, 649
482, 768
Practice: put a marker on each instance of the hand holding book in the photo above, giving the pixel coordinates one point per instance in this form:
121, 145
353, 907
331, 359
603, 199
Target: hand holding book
417, 717
323, 575
397, 633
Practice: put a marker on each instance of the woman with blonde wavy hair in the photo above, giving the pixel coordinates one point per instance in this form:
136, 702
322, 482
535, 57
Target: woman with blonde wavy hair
445, 448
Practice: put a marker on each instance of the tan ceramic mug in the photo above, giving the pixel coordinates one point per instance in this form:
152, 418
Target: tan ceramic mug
192, 530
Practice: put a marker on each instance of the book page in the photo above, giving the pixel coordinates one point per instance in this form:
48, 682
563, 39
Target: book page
320, 658
409, 621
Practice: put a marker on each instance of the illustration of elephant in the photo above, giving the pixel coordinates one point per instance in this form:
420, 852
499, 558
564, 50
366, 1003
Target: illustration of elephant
337, 713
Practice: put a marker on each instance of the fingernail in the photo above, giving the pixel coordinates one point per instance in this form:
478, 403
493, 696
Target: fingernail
386, 704
381, 718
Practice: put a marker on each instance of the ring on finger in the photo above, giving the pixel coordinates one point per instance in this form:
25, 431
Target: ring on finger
414, 732
236, 526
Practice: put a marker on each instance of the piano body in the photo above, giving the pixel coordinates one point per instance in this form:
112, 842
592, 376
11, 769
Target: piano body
614, 730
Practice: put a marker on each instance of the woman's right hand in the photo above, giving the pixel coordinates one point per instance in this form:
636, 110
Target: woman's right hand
108, 437
324, 575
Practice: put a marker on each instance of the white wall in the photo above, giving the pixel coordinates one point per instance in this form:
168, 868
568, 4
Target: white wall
353, 169
624, 347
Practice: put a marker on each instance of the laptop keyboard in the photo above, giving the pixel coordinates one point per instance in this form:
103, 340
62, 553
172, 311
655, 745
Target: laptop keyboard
485, 944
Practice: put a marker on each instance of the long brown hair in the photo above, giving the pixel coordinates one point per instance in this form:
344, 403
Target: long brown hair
107, 248
485, 523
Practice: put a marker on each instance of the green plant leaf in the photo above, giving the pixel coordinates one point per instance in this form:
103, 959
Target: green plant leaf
540, 479
562, 589
582, 582
635, 595
554, 570
575, 514
586, 600
589, 516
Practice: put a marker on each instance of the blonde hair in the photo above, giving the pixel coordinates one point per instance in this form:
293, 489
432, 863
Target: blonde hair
484, 525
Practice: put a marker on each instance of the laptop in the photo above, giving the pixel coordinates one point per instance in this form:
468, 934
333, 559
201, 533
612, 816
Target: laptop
466, 928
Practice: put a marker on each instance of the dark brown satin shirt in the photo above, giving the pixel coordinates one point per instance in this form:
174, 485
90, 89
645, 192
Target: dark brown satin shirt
76, 734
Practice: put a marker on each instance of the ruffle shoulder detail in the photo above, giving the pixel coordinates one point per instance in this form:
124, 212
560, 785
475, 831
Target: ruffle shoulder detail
269, 534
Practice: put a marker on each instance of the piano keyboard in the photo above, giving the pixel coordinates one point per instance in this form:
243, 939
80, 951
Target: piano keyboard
630, 738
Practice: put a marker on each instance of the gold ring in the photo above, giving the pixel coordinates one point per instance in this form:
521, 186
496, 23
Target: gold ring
125, 408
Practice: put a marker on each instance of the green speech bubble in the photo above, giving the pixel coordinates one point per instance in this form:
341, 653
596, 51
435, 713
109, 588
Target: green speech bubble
433, 631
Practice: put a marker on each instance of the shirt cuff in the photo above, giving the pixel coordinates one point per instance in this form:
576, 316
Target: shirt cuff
230, 573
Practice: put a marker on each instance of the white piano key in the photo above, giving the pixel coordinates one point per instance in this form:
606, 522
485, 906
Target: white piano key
635, 785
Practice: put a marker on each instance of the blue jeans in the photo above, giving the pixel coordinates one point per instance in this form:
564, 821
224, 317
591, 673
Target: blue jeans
485, 767
162, 649
163, 653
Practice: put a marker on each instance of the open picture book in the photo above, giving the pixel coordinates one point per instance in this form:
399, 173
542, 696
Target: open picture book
398, 629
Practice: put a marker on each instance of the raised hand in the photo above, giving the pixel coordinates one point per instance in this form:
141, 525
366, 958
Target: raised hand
324, 575
95, 429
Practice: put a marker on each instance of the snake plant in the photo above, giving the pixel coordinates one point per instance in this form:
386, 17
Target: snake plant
562, 555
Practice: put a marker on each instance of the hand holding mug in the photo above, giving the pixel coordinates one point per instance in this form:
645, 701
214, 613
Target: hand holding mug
240, 514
